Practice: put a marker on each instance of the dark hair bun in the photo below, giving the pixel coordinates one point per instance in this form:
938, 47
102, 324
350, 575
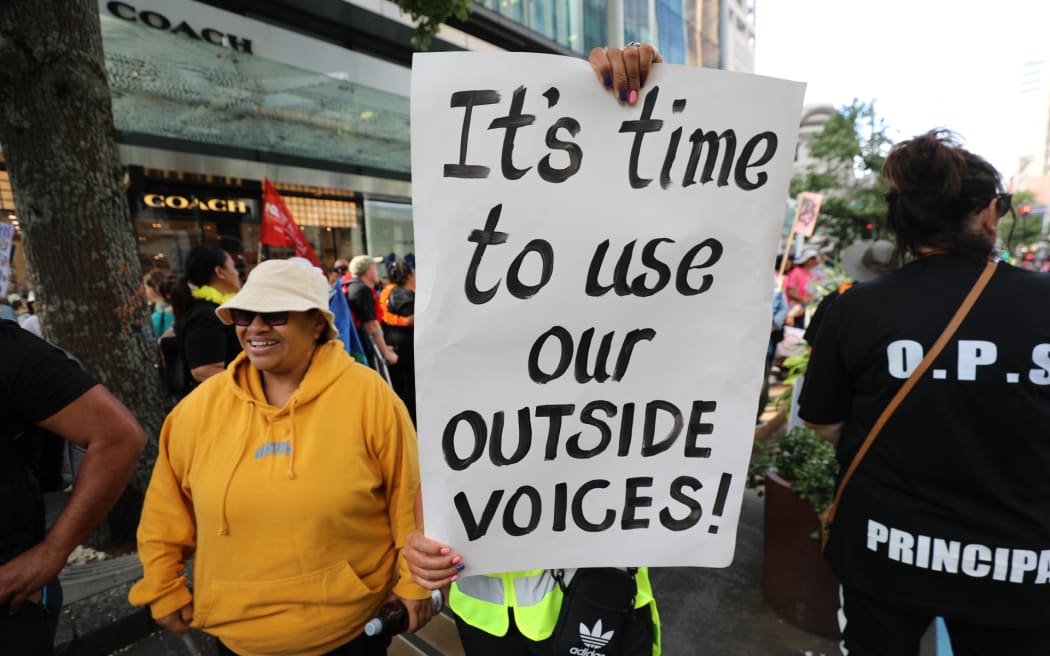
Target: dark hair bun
399, 272
936, 187
933, 163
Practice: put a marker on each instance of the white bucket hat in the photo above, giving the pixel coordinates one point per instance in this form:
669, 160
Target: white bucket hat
867, 260
807, 253
282, 286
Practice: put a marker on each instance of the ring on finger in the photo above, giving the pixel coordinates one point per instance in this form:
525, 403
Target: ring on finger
633, 44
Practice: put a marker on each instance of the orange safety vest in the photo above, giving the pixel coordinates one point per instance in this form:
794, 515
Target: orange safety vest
389, 318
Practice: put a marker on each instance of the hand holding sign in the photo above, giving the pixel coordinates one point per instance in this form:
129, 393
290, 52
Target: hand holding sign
433, 564
625, 71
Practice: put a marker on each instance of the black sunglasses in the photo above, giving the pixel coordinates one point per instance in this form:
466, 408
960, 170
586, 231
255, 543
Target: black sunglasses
340, 269
246, 317
1003, 203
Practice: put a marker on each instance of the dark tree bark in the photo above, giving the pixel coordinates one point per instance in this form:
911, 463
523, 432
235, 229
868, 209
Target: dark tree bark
57, 135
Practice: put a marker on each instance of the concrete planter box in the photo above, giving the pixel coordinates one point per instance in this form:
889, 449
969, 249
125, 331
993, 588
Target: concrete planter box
796, 580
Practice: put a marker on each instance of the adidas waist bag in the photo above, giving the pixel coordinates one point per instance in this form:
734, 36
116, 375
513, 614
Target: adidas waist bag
597, 607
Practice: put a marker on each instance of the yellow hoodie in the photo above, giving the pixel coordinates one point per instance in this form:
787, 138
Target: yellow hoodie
297, 515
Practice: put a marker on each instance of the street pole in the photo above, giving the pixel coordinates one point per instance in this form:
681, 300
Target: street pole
614, 23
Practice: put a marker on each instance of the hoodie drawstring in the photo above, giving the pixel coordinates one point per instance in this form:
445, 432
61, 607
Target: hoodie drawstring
224, 527
291, 439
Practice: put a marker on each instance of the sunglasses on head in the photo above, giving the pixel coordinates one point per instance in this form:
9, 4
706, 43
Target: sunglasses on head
1003, 203
246, 317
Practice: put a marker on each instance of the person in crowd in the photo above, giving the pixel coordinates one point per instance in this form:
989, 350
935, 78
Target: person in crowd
19, 304
776, 333
31, 323
290, 478
41, 389
364, 305
340, 269
158, 285
8, 307
949, 511
205, 345
515, 613
31, 320
777, 277
797, 286
398, 302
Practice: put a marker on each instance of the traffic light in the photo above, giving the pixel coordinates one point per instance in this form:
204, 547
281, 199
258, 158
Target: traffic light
1024, 210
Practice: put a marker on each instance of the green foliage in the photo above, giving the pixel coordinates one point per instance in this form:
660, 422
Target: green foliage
430, 14
850, 152
795, 366
803, 458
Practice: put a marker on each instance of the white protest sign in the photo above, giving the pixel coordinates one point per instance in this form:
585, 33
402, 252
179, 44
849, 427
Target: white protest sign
594, 305
7, 236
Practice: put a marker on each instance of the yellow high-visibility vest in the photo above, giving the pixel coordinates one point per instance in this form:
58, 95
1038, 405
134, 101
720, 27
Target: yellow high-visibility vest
483, 602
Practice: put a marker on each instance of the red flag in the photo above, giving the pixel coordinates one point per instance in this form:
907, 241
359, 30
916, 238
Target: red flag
279, 228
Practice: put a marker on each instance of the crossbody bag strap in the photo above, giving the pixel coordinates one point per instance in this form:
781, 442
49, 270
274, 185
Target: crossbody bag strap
829, 515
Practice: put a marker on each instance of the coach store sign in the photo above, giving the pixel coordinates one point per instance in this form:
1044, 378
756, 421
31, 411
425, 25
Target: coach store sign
228, 205
159, 21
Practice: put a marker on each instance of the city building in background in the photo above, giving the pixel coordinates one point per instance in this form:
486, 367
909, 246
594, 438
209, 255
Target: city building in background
211, 97
814, 117
1033, 168
721, 34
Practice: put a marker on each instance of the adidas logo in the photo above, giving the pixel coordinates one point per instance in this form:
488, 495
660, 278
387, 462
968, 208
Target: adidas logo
593, 638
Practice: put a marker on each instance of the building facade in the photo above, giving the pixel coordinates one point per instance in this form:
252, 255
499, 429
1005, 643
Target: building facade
212, 97
1033, 167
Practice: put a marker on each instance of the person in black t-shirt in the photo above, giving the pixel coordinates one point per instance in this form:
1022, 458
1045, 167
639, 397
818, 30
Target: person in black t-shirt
41, 386
362, 298
204, 344
398, 302
949, 512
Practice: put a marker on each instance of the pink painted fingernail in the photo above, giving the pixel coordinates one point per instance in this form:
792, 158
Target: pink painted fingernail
445, 551
633, 98
453, 578
456, 560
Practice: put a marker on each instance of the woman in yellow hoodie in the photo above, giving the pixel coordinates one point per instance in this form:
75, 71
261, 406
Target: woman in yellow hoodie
290, 479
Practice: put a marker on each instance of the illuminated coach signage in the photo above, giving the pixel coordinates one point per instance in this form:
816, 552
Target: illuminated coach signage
159, 21
231, 205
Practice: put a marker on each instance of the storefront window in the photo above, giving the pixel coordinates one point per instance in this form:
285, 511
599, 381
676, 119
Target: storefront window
19, 280
329, 218
166, 231
389, 230
174, 211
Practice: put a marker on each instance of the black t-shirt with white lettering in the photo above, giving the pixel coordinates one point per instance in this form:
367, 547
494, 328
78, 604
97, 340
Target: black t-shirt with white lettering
949, 512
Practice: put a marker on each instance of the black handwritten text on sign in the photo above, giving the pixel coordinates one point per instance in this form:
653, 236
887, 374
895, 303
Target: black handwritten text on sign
705, 148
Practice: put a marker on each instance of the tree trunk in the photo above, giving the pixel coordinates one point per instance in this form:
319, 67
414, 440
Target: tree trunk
56, 131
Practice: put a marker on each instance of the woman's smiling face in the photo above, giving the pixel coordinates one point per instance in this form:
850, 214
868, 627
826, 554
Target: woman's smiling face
282, 349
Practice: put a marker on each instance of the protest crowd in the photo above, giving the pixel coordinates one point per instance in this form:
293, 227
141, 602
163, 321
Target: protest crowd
286, 514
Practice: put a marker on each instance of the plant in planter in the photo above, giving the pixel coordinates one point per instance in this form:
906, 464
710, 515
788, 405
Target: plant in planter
799, 475
802, 458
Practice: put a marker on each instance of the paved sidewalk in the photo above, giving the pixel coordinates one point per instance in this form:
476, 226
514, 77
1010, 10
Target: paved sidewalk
705, 611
